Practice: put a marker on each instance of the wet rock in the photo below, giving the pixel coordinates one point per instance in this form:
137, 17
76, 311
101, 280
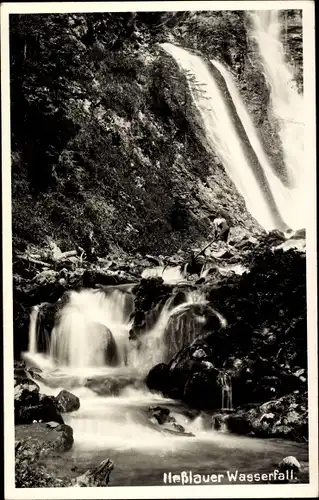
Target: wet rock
111, 386
92, 277
97, 477
159, 413
66, 401
20, 370
158, 378
288, 464
202, 390
218, 421
241, 238
44, 410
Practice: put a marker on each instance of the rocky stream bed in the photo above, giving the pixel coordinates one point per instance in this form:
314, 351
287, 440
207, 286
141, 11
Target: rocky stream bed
257, 284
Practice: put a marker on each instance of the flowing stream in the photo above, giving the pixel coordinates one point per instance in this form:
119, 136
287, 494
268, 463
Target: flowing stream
113, 419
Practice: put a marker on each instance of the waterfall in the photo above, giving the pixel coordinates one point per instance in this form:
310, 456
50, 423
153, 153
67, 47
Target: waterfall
286, 198
286, 105
90, 325
227, 392
91, 330
33, 330
232, 136
153, 347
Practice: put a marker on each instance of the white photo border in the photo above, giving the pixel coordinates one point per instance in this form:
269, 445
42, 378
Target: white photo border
140, 492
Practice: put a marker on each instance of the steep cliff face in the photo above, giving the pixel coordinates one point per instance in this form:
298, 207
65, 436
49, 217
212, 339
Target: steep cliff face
104, 135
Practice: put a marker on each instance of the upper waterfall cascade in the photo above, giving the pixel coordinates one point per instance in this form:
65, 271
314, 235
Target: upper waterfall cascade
267, 198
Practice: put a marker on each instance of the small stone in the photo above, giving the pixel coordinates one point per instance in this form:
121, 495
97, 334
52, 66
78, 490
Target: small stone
289, 463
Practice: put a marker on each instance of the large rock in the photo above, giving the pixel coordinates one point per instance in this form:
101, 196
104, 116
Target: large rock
202, 390
30, 405
160, 414
66, 401
158, 378
164, 422
38, 463
111, 386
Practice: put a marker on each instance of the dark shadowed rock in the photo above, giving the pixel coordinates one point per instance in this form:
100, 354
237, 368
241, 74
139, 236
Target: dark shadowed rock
44, 411
202, 391
66, 401
158, 378
160, 414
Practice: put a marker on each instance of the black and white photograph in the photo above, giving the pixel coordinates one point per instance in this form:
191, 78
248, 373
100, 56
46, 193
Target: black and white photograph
159, 214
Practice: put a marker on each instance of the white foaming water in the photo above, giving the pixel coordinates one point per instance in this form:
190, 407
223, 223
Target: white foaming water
87, 325
33, 330
227, 143
221, 132
170, 275
153, 348
289, 200
286, 104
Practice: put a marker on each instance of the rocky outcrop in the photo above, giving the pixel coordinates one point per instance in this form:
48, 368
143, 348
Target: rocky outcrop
30, 405
44, 444
97, 477
260, 355
286, 417
30, 452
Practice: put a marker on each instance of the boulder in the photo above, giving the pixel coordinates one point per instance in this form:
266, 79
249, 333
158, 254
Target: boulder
33, 444
26, 391
158, 378
44, 409
202, 390
66, 401
159, 413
